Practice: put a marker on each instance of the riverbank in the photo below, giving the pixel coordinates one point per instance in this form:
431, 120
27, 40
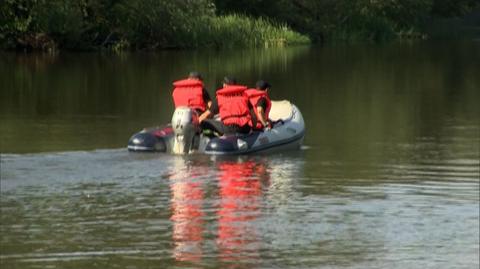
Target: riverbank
466, 27
134, 25
147, 25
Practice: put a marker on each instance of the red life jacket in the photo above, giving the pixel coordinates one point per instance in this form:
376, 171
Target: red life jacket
254, 96
189, 92
233, 105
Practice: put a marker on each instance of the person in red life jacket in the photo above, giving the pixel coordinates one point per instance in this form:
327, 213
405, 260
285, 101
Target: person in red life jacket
233, 107
260, 104
192, 93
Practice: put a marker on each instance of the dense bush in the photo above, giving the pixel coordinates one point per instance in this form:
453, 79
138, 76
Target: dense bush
138, 24
151, 24
350, 19
235, 30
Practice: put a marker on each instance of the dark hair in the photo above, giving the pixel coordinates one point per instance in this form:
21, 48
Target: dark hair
262, 85
195, 74
229, 80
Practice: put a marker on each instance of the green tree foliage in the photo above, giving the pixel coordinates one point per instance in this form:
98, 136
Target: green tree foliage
93, 23
150, 24
453, 8
15, 19
138, 24
349, 19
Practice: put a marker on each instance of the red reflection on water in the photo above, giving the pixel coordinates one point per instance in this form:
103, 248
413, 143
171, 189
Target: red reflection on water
187, 218
240, 189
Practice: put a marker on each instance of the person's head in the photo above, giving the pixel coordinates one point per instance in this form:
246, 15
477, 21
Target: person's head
262, 85
195, 75
229, 81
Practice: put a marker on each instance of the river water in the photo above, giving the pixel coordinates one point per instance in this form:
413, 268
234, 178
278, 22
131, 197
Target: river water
388, 176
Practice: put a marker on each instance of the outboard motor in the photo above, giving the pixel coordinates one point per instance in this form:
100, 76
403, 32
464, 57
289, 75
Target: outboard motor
185, 125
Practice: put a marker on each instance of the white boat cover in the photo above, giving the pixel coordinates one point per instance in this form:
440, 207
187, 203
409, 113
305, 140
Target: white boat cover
281, 110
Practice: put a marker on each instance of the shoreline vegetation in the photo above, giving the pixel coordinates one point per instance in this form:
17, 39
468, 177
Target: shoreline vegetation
119, 25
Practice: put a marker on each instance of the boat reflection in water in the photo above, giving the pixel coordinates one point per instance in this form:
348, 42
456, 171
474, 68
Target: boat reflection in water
215, 212
240, 194
187, 212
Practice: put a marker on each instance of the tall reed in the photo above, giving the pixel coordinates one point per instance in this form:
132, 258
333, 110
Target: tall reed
242, 31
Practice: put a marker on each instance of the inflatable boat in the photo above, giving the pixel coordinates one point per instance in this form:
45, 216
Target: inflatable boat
186, 136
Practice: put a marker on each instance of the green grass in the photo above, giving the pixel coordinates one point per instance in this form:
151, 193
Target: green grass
242, 31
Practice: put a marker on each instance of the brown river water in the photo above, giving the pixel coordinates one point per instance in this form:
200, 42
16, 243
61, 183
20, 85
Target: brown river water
388, 176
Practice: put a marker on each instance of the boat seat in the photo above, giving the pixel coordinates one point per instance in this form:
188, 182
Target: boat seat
281, 110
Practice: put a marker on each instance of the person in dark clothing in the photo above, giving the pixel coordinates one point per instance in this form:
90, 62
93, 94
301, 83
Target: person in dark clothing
206, 97
260, 105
